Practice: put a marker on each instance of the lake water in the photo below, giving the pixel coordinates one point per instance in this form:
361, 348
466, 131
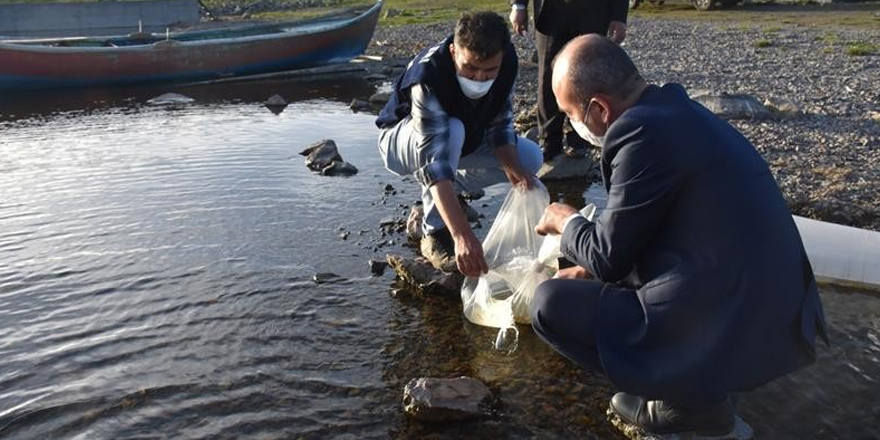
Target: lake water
156, 281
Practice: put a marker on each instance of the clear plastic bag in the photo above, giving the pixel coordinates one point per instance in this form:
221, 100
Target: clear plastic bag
549, 253
502, 297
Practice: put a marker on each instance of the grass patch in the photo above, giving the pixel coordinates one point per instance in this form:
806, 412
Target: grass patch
861, 48
830, 38
822, 16
760, 44
394, 12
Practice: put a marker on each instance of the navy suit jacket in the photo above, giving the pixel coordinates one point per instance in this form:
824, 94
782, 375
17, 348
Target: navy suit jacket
708, 284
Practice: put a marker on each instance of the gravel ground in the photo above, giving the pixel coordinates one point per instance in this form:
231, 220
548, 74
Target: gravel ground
826, 159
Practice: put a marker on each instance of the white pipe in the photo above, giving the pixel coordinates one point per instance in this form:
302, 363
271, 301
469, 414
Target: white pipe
841, 254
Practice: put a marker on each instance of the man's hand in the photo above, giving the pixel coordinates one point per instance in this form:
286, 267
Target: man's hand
554, 219
617, 31
573, 273
519, 18
510, 164
469, 255
518, 177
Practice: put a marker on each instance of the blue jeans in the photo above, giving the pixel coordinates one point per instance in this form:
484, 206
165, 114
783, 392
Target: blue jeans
399, 149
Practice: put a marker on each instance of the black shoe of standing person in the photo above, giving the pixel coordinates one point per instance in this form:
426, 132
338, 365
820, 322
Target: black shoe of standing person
439, 249
665, 417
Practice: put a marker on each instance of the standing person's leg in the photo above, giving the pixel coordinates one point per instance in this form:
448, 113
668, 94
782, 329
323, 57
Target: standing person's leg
550, 119
563, 314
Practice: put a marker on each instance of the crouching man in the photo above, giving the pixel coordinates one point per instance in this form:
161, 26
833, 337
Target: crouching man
701, 286
449, 123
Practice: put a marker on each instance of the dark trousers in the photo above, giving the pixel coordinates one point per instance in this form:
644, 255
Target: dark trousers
550, 120
564, 315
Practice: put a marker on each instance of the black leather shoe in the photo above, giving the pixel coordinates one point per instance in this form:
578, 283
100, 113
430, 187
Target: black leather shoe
664, 417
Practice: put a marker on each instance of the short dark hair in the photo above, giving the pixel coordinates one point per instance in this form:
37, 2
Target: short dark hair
602, 67
484, 34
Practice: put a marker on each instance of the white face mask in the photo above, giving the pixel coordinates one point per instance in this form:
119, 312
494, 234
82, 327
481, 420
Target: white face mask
584, 132
474, 89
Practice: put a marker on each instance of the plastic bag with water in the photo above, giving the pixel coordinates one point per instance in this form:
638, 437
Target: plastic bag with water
501, 298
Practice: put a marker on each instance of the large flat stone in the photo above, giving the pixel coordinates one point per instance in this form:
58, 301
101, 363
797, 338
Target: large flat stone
420, 275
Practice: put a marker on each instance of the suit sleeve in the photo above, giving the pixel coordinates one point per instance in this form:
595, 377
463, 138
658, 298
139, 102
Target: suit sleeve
643, 187
618, 10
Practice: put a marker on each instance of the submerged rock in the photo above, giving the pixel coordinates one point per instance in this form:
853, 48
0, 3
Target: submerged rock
420, 275
436, 400
170, 99
323, 157
733, 106
741, 431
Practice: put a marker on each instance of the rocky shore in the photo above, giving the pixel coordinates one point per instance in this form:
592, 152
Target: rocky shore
826, 157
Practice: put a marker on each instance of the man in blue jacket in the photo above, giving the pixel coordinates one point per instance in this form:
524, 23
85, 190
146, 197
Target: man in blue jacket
449, 123
701, 284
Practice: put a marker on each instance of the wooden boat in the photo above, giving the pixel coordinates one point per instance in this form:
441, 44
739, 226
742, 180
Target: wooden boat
185, 56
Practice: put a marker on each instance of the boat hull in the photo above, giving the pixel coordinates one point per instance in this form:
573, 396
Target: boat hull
35, 67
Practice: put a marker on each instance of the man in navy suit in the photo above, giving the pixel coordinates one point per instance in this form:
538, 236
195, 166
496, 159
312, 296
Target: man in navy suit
701, 286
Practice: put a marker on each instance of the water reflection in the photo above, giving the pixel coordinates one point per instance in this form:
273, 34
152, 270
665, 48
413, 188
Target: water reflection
341, 87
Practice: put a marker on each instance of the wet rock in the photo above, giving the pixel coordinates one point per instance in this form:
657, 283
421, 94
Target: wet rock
469, 212
471, 195
339, 168
437, 400
321, 154
733, 106
564, 167
782, 108
414, 223
325, 277
392, 225
379, 99
323, 157
275, 101
377, 267
419, 274
741, 431
359, 105
170, 99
